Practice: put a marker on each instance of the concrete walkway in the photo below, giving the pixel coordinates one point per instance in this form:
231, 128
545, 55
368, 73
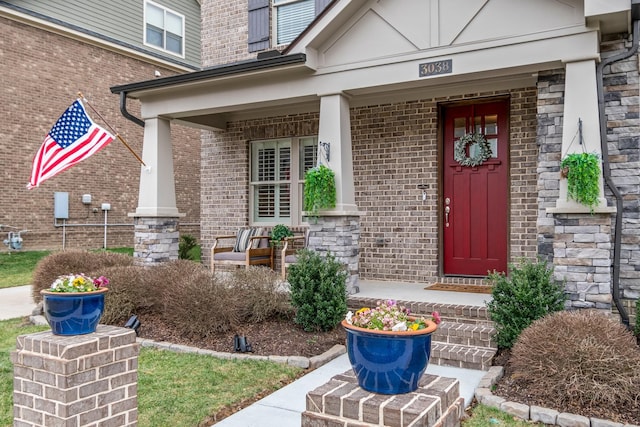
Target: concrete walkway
16, 302
284, 407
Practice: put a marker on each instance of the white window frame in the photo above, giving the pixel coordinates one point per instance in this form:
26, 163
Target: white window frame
276, 4
165, 10
295, 181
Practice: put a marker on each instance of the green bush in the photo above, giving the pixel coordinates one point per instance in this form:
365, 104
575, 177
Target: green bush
186, 245
279, 232
528, 293
318, 291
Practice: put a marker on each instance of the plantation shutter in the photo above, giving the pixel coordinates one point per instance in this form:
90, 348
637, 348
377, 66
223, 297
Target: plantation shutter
320, 5
284, 206
266, 193
258, 25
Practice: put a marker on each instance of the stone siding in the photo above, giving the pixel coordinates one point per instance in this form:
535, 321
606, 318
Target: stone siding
584, 254
42, 73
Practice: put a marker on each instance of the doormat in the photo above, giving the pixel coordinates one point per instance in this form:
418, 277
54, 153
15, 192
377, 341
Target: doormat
474, 289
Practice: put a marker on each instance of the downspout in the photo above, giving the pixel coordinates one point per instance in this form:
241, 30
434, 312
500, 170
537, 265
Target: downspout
606, 169
125, 113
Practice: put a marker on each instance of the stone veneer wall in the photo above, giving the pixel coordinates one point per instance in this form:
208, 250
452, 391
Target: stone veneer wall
77, 380
339, 235
156, 240
580, 246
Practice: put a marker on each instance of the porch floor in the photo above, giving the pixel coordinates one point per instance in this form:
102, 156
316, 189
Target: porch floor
405, 291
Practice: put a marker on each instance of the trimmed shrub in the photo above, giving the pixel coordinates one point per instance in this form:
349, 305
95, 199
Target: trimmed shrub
186, 244
578, 359
127, 294
318, 291
527, 294
74, 261
201, 305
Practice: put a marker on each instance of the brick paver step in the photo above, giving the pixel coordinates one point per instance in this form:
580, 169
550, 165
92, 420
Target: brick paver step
461, 356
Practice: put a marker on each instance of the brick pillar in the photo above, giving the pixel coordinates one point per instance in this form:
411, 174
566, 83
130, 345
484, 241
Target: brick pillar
339, 235
341, 402
156, 240
77, 380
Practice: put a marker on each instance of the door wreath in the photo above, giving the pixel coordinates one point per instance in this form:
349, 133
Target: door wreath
482, 154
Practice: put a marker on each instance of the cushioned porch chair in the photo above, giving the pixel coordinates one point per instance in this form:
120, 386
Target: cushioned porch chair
291, 246
251, 247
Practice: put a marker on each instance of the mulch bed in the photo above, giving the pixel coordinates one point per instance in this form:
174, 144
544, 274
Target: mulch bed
269, 338
510, 390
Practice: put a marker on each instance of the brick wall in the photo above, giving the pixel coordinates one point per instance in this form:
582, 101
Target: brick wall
224, 32
41, 73
395, 148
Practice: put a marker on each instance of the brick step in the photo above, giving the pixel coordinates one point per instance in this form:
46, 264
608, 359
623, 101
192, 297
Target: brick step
472, 335
461, 356
455, 313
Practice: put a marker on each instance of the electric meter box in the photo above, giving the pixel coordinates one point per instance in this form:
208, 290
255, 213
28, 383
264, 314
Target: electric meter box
61, 205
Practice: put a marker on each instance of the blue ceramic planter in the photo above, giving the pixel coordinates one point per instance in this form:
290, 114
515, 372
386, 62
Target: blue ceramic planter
71, 313
388, 362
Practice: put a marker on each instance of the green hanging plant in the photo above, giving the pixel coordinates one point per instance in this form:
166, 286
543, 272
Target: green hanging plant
582, 171
319, 189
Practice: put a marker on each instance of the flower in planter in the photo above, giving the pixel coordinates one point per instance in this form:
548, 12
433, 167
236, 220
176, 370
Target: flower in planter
78, 283
389, 316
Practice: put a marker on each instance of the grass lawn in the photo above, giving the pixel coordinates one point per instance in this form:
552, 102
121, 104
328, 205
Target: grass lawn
174, 389
17, 267
485, 416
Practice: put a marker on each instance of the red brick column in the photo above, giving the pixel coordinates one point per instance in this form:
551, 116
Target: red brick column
76, 380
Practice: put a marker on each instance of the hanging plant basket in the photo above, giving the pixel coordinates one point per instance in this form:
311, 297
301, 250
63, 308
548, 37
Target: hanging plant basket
319, 190
582, 171
482, 154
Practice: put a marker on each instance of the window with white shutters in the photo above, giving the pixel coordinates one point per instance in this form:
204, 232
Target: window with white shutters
276, 193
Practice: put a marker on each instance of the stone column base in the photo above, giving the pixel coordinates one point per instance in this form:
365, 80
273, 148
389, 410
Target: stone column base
341, 402
340, 235
156, 240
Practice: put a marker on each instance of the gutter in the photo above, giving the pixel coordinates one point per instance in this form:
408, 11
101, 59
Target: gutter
260, 64
606, 169
214, 72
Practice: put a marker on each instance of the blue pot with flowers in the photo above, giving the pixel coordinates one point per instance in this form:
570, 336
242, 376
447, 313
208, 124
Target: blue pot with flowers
74, 303
389, 349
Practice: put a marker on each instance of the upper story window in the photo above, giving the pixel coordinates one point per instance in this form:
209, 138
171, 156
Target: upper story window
163, 28
291, 17
277, 178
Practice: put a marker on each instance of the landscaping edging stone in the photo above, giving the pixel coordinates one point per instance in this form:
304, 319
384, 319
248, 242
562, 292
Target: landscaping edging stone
547, 416
296, 361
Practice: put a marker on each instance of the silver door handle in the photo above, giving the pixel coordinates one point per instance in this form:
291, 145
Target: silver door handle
447, 209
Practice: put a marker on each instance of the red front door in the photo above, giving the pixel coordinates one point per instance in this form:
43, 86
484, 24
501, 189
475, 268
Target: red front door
475, 198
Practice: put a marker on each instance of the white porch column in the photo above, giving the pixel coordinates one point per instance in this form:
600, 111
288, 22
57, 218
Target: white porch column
156, 235
580, 103
157, 194
335, 128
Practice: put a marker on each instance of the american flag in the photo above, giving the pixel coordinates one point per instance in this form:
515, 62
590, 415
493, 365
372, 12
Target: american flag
72, 139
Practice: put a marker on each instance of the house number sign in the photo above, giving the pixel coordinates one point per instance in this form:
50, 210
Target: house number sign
435, 68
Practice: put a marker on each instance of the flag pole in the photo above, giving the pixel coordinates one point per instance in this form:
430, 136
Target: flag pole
112, 129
